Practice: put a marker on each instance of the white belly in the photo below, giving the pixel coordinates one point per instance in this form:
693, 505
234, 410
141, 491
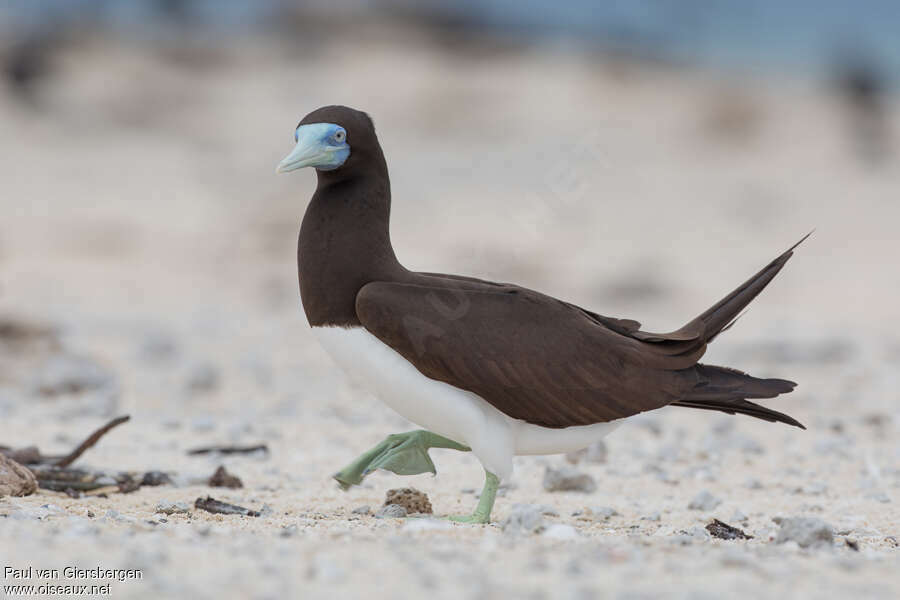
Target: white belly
446, 410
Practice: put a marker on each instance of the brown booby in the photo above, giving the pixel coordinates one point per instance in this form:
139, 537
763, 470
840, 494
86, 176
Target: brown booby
491, 368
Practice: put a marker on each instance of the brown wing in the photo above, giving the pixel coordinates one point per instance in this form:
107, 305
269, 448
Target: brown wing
531, 356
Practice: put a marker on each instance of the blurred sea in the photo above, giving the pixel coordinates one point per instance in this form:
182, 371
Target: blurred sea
803, 37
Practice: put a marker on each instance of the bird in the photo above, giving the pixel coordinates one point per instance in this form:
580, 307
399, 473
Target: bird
495, 369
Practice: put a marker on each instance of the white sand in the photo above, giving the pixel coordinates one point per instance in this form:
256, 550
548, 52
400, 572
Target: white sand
143, 210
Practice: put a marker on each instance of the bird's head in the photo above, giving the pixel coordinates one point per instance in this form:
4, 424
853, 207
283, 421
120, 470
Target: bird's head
332, 138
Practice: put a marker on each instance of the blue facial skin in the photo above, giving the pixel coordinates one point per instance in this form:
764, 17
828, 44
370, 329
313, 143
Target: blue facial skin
320, 145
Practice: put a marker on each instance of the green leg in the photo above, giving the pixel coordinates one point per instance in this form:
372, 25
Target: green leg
482, 512
402, 453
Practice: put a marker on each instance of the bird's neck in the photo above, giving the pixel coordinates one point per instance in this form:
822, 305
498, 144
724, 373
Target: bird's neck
344, 244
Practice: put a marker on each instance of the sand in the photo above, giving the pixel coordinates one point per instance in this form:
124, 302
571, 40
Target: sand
142, 221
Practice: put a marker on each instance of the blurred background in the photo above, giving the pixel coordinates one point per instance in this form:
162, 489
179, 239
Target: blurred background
640, 159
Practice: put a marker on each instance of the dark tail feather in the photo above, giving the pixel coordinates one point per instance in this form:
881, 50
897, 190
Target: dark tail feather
722, 315
727, 390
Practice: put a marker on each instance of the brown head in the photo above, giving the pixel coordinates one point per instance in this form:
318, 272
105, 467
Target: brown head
339, 142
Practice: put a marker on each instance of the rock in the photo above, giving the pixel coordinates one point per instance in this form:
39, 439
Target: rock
704, 501
594, 454
391, 511
154, 478
655, 516
412, 500
202, 378
698, 532
524, 518
753, 484
807, 532
739, 515
362, 510
601, 512
567, 479
222, 478
560, 531
24, 456
15, 479
725, 531
172, 508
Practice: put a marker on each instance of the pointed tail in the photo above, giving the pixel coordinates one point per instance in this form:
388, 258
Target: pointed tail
724, 313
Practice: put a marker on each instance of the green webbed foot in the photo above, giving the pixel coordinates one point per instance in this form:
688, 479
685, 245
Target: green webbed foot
482, 512
400, 453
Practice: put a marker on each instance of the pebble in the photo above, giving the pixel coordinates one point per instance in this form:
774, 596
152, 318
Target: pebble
524, 518
15, 479
704, 501
202, 378
412, 500
560, 531
567, 479
601, 512
391, 511
752, 483
739, 515
362, 510
655, 516
172, 508
805, 531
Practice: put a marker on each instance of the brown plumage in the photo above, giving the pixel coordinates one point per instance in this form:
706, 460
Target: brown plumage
531, 356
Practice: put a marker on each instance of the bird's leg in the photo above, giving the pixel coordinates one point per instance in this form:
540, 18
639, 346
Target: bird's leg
482, 512
402, 453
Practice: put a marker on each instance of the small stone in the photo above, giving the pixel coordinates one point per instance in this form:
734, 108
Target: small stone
725, 531
154, 478
362, 510
222, 478
567, 479
560, 531
172, 508
289, 531
601, 512
524, 518
391, 511
15, 479
202, 378
412, 500
655, 516
805, 531
698, 532
753, 484
738, 515
704, 501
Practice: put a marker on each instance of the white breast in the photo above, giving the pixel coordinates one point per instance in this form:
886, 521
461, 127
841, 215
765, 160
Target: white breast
446, 410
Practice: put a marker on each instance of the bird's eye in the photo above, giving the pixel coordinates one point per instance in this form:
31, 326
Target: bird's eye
340, 135
296, 135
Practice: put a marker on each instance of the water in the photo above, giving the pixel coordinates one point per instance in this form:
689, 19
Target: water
797, 35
